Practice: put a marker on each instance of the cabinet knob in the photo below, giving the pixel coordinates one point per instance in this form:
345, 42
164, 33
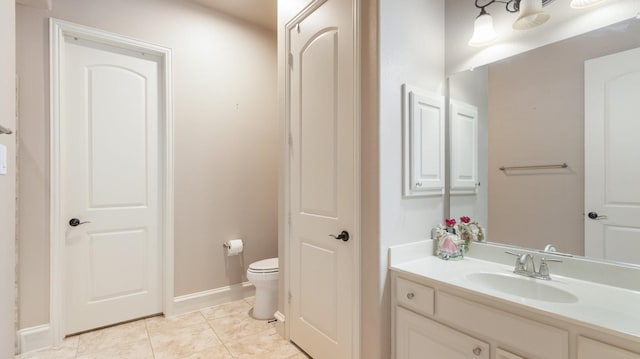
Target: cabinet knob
410, 295
477, 351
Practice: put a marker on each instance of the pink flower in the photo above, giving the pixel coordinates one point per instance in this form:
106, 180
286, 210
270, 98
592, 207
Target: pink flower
450, 222
465, 219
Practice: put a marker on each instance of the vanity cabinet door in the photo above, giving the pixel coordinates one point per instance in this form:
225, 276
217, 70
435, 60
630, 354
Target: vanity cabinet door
591, 349
420, 338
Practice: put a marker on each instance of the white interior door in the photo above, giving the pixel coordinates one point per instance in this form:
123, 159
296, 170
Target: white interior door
109, 123
612, 173
323, 173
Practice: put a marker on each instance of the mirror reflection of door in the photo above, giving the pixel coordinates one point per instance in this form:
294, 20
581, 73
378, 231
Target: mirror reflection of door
612, 151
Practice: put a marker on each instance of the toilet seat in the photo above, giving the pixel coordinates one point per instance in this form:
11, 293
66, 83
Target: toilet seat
264, 266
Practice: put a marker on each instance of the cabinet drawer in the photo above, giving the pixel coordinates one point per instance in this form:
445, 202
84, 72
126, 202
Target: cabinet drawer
414, 296
503, 354
591, 349
532, 339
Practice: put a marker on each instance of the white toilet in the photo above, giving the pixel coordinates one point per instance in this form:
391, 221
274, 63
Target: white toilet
264, 276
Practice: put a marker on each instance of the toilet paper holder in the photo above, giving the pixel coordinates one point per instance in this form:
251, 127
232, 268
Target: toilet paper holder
233, 247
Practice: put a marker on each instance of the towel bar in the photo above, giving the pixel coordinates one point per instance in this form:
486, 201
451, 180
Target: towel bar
535, 167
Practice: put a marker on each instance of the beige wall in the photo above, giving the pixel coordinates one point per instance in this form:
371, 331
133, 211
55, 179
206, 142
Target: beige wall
225, 138
8, 181
536, 116
374, 324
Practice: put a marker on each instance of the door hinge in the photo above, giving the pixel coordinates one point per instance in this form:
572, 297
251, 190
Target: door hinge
291, 60
289, 218
290, 139
289, 297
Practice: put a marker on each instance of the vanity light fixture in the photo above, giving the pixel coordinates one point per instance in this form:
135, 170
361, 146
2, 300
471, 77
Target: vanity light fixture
530, 15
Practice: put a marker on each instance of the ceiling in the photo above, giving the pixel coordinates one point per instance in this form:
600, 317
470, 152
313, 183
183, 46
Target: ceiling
261, 12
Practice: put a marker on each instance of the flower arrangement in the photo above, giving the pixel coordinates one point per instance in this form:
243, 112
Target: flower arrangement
450, 222
454, 238
467, 230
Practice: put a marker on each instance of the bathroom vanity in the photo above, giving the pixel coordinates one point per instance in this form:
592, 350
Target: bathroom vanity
478, 308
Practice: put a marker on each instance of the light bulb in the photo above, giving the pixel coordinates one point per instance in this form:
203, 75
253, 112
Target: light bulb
530, 15
483, 31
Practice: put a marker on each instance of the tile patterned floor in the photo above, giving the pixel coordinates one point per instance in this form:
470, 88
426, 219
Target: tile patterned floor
225, 331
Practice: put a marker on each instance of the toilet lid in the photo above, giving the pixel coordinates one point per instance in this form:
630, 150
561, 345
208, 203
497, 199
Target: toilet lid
265, 265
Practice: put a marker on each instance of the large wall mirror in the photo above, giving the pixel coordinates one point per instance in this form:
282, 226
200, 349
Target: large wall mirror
531, 111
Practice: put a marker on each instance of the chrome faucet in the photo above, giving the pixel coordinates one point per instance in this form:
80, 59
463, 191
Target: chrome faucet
525, 266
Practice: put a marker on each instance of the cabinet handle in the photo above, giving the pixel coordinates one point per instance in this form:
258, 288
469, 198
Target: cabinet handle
477, 351
410, 295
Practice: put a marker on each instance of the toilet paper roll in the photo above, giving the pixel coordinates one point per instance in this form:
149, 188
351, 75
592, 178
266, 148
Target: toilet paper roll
234, 247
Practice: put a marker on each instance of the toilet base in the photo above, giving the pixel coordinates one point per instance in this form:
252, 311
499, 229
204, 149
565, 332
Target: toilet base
266, 303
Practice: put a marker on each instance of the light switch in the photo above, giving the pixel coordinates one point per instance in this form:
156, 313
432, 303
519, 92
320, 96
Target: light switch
3, 160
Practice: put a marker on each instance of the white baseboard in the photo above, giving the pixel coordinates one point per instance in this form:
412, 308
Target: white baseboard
279, 317
280, 324
34, 338
208, 298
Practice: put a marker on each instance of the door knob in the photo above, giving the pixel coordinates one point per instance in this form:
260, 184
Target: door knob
344, 235
74, 222
594, 215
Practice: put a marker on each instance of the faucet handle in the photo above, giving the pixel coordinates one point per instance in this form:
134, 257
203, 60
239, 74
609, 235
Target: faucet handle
513, 254
543, 272
519, 266
545, 260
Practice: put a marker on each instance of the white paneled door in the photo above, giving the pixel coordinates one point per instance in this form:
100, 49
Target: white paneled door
323, 273
109, 129
612, 174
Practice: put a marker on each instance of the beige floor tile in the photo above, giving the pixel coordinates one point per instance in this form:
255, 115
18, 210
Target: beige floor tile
219, 352
262, 346
196, 335
103, 339
250, 300
66, 350
161, 323
236, 326
219, 311
183, 342
140, 349
299, 356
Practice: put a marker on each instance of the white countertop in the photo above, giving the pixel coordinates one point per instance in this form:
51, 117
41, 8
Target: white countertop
600, 305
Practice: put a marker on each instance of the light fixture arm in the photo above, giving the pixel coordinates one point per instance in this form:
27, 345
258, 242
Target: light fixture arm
529, 11
511, 6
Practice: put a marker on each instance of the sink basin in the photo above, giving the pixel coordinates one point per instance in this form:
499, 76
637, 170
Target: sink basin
522, 286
